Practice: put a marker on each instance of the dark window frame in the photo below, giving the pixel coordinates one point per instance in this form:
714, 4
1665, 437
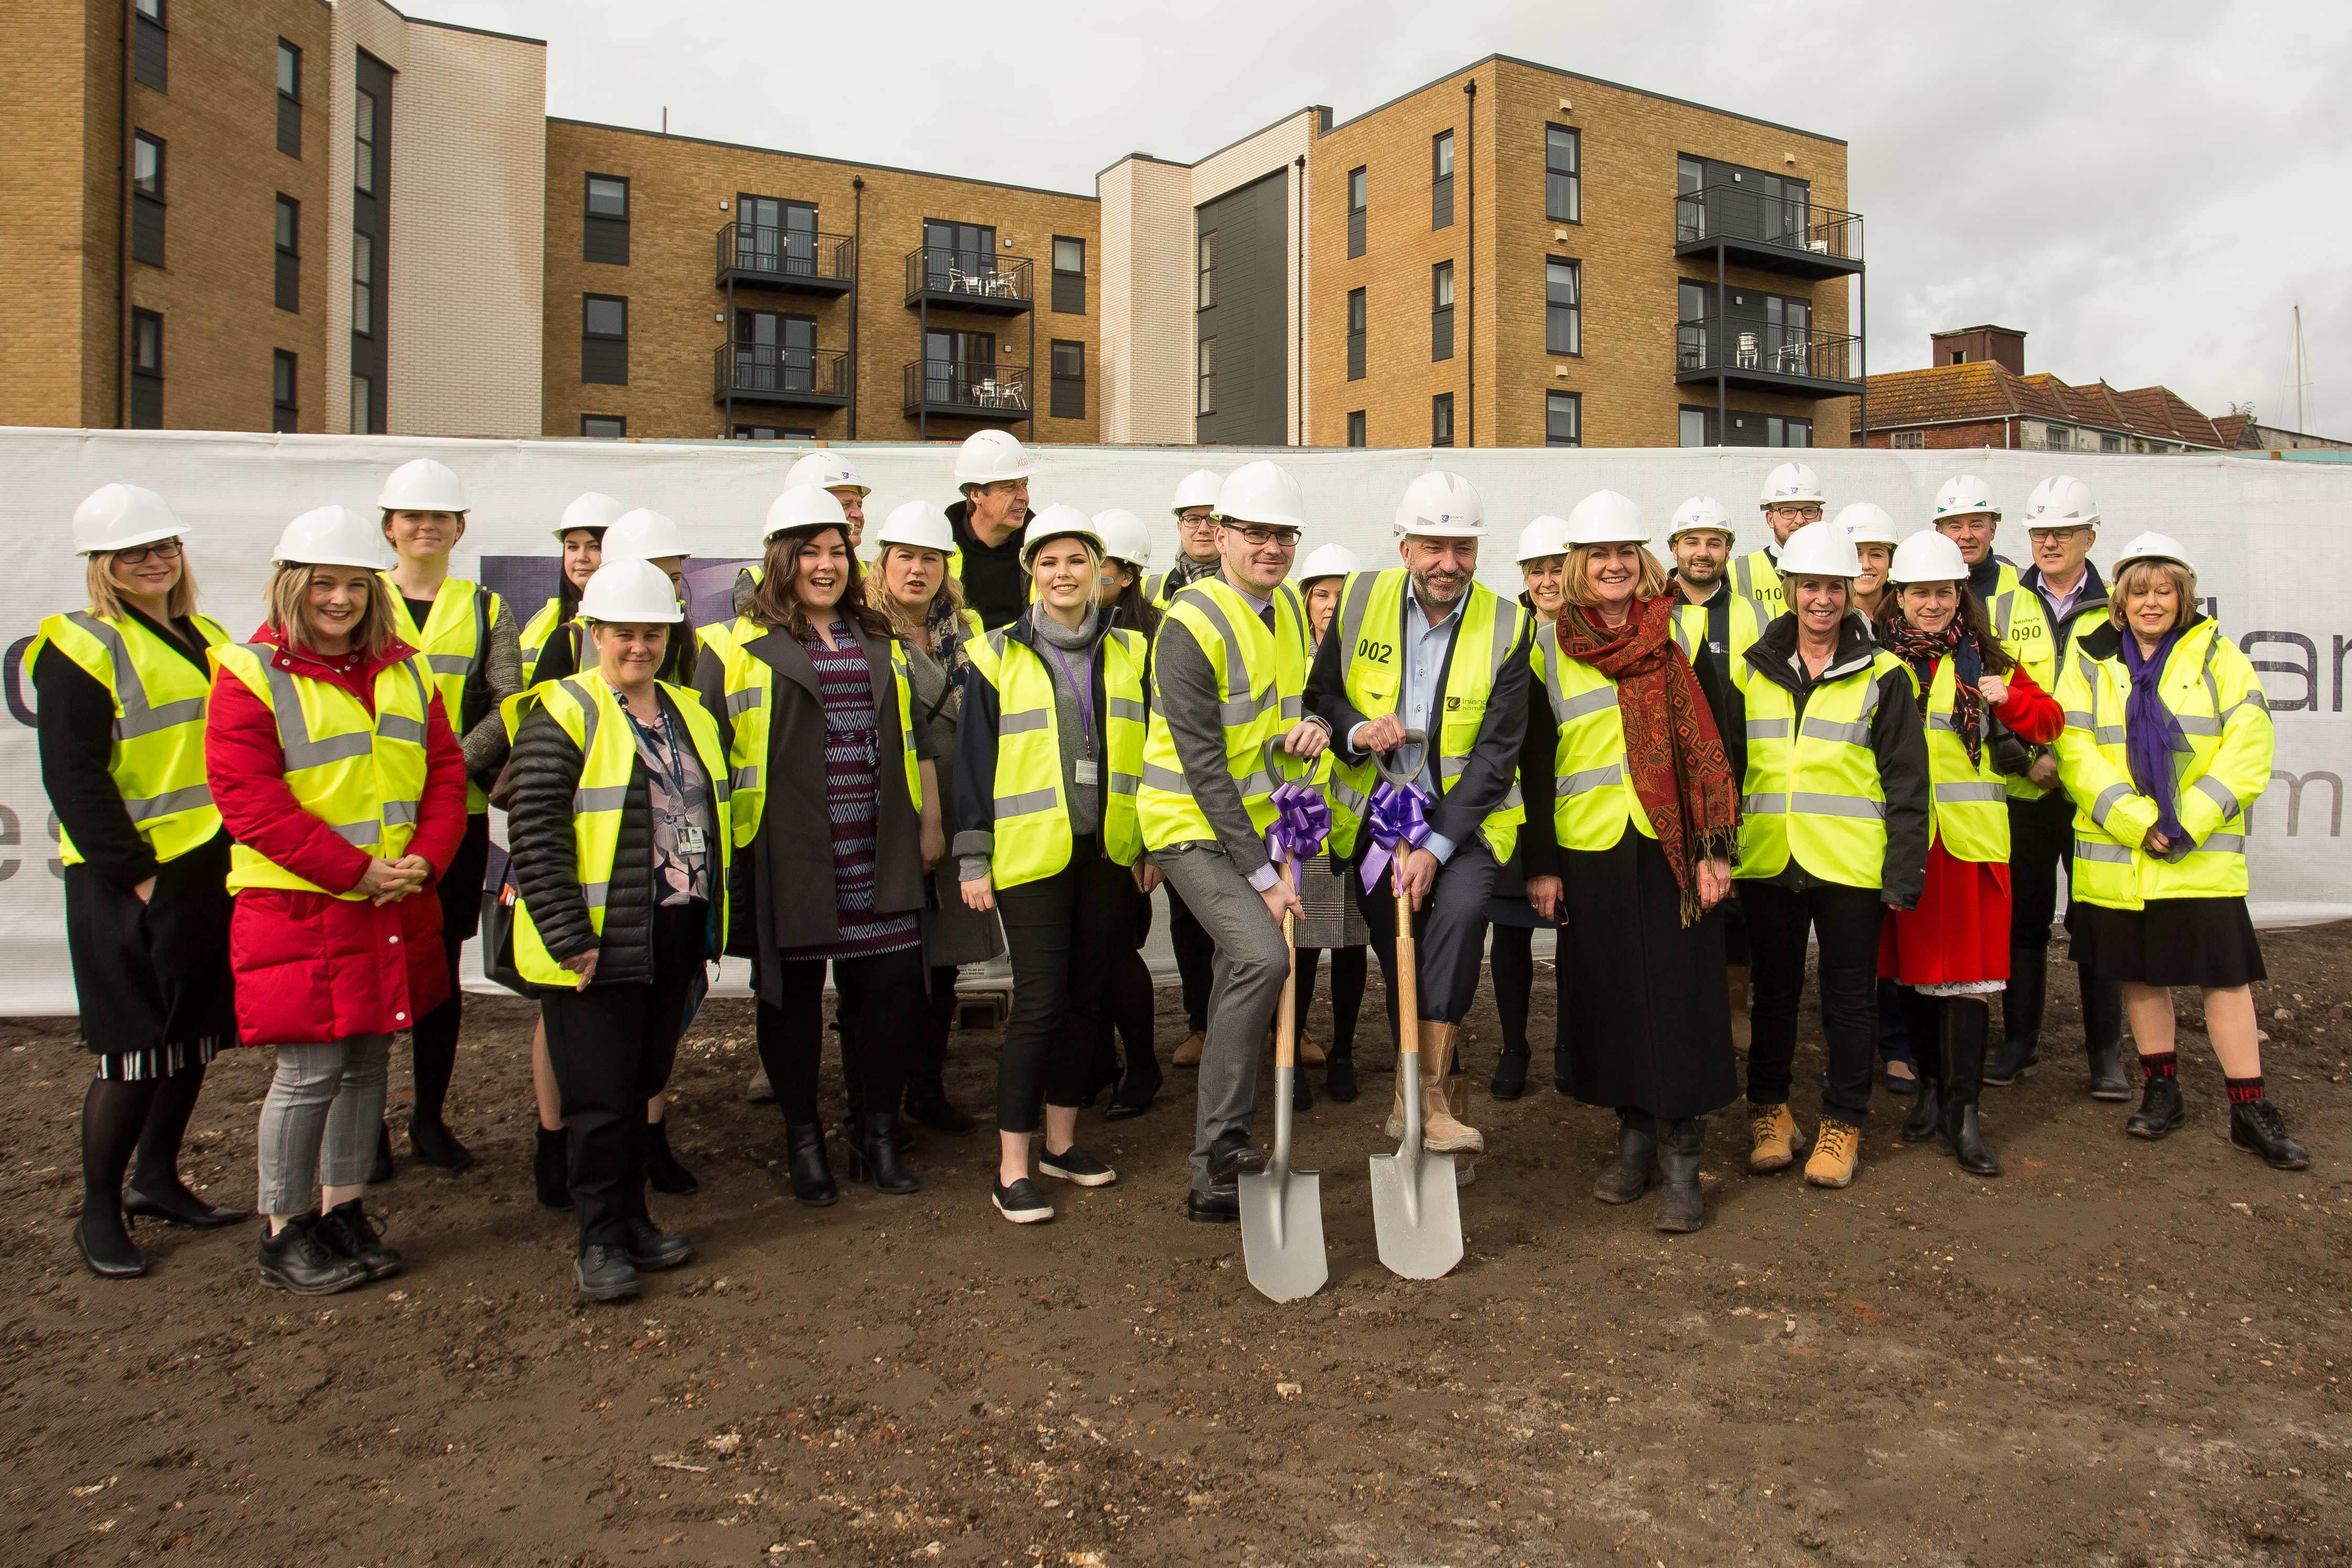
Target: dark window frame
146, 376
1073, 405
287, 237
1355, 432
595, 368
151, 45
1574, 175
1359, 201
620, 421
603, 238
1555, 398
363, 242
364, 146
289, 101
285, 377
364, 426
1069, 297
775, 432
1359, 323
1205, 399
1441, 179
148, 205
1205, 269
1574, 308
1440, 420
1441, 311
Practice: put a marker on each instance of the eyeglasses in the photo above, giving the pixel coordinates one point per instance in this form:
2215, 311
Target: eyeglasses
1812, 514
162, 550
1259, 537
2054, 536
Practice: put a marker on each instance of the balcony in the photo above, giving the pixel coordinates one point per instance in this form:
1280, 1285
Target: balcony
797, 261
782, 377
940, 274
962, 390
1772, 233
1759, 357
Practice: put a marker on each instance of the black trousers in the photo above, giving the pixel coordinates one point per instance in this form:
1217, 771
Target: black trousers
1513, 961
1847, 921
433, 1044
1449, 932
613, 1048
2041, 843
888, 996
1129, 1001
1064, 933
1350, 967
1196, 956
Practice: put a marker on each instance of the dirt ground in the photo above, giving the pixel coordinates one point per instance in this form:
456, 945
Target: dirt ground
2117, 1353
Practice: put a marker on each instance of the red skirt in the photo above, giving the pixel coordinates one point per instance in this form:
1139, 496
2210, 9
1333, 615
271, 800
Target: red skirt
1959, 933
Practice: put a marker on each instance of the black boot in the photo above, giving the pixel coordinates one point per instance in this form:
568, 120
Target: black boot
381, 1171
1923, 1031
1966, 1021
2159, 1109
1927, 1118
350, 1232
433, 1141
1339, 1075
2256, 1127
873, 1155
1681, 1206
1627, 1176
2102, 1030
104, 1242
929, 1104
648, 1247
1302, 1097
299, 1259
551, 1170
662, 1168
1510, 1074
2021, 1018
605, 1274
1135, 1091
810, 1176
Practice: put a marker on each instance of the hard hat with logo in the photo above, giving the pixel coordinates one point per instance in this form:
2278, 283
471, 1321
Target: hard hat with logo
827, 471
2061, 501
645, 535
1441, 506
918, 525
1198, 488
1124, 536
589, 509
122, 517
1546, 536
1329, 560
1927, 557
989, 455
1791, 483
2153, 547
1057, 523
1821, 549
333, 536
804, 507
1606, 517
1699, 512
422, 484
630, 590
1963, 494
1864, 524
1262, 492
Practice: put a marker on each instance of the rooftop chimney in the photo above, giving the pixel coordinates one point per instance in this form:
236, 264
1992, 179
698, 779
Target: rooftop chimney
1976, 345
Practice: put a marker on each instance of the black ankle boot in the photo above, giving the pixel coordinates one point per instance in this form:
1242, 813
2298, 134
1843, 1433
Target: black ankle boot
873, 1155
1629, 1175
346, 1229
1682, 1206
2103, 1030
1966, 1022
662, 1168
1510, 1075
929, 1104
104, 1242
2021, 1018
1339, 1075
431, 1140
299, 1259
1927, 1118
2159, 1109
2256, 1127
810, 1176
551, 1170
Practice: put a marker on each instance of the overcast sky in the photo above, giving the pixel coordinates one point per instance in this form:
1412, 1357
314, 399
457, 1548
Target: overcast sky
2145, 186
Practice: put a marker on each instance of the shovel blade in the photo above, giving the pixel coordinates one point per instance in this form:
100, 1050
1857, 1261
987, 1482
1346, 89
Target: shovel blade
1282, 1233
1416, 1214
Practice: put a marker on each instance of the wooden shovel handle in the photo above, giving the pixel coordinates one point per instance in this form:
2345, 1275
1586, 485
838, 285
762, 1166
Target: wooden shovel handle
1285, 1021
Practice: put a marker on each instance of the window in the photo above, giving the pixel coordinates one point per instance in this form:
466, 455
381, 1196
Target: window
1069, 276
1069, 389
1563, 189
605, 226
777, 352
146, 370
1208, 270
282, 383
1207, 403
290, 99
1695, 425
2057, 438
1356, 189
2111, 443
289, 253
1701, 428
363, 406
1356, 428
149, 46
1563, 419
604, 426
1956, 356
1780, 432
1355, 334
959, 257
363, 284
1441, 179
363, 141
1440, 420
1563, 306
604, 339
146, 199
775, 235
771, 432
1907, 440
1441, 311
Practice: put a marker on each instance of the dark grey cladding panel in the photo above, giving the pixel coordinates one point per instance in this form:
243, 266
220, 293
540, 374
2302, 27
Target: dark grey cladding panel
1251, 318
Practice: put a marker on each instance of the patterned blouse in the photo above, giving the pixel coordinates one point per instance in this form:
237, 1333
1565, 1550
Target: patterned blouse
853, 798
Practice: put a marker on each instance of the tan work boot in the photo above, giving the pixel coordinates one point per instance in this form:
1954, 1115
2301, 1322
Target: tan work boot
1309, 1053
1836, 1152
1774, 1142
1457, 1101
1188, 1051
1442, 1132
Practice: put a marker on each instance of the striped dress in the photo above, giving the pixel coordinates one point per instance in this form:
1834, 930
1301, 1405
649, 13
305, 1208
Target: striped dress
852, 787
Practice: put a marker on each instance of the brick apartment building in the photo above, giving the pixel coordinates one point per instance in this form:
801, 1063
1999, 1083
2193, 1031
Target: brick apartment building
1976, 392
321, 217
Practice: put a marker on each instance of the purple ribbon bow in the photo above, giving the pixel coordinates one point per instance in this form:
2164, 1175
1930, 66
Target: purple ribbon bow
1394, 817
1301, 822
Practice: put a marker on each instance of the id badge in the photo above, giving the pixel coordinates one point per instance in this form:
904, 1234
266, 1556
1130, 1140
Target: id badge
689, 839
1086, 771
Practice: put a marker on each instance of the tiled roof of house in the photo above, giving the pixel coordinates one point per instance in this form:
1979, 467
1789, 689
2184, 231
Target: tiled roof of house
2232, 428
1942, 394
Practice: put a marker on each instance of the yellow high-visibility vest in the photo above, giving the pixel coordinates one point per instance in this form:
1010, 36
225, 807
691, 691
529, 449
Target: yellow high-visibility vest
452, 643
2023, 631
1812, 788
1969, 807
1744, 618
750, 690
1593, 789
1261, 690
1033, 819
1756, 576
537, 633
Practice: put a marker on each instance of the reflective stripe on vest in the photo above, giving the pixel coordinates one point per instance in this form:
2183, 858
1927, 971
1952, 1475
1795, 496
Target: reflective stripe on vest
2024, 633
1744, 618
1816, 796
1755, 576
1592, 795
746, 684
537, 633
1032, 823
1968, 807
452, 645
1239, 648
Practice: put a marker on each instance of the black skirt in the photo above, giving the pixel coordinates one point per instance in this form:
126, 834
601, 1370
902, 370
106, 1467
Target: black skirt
1644, 1018
154, 976
2203, 942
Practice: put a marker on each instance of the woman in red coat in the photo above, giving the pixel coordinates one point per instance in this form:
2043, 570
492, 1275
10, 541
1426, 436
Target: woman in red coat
345, 791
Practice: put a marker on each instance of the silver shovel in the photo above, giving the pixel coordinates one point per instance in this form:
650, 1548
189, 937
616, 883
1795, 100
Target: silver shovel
1282, 1209
1416, 1212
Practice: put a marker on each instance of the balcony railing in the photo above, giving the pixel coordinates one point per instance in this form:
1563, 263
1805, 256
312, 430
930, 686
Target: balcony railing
951, 386
787, 257
1788, 233
1761, 354
766, 372
967, 280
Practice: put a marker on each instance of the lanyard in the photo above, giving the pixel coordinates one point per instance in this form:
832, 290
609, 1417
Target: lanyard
661, 734
1085, 691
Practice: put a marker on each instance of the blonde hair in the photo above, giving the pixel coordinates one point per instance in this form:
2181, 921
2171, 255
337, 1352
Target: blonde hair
106, 594
289, 586
1576, 578
950, 585
2141, 575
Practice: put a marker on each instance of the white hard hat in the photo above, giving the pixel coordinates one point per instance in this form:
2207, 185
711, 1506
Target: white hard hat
1262, 492
1963, 494
1441, 506
1699, 512
422, 484
1057, 523
2153, 547
827, 471
2061, 501
631, 589
333, 536
1821, 549
589, 509
1329, 560
1792, 483
989, 455
1927, 556
1124, 536
803, 506
1864, 524
918, 525
1198, 488
645, 535
1546, 536
118, 516
1606, 517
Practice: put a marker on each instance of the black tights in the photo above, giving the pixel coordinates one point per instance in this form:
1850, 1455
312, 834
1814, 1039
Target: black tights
1513, 960
146, 1116
1350, 966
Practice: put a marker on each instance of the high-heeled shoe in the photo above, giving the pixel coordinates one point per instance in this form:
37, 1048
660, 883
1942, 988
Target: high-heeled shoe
809, 1177
110, 1254
873, 1156
175, 1205
662, 1168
